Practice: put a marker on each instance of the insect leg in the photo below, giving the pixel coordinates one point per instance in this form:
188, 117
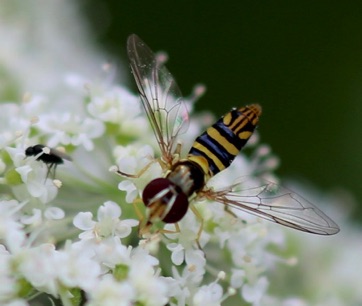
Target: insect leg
201, 219
143, 227
145, 224
138, 174
175, 231
49, 167
54, 169
137, 210
228, 210
178, 149
177, 153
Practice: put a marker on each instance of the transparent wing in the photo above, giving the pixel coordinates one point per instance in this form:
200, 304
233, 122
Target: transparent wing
160, 95
277, 204
60, 154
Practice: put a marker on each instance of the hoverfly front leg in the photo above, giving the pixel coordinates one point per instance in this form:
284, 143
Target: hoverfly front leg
166, 231
137, 175
145, 228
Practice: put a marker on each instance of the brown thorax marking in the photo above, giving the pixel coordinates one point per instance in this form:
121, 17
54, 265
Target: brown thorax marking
180, 176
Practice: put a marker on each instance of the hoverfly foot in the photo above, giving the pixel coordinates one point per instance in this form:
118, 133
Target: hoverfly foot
144, 230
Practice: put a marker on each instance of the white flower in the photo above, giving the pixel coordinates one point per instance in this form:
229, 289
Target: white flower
151, 289
71, 129
186, 250
134, 160
134, 269
8, 288
34, 105
17, 302
12, 123
131, 190
11, 229
208, 295
109, 253
72, 102
237, 278
116, 105
75, 269
38, 266
254, 293
34, 219
54, 213
184, 285
110, 292
108, 224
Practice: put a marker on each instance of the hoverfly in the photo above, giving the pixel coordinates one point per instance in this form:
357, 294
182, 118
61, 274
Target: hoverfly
168, 198
51, 159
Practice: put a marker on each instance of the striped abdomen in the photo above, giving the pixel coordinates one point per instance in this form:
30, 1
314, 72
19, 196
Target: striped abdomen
221, 142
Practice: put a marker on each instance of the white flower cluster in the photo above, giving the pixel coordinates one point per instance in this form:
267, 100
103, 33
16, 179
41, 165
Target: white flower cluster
108, 262
52, 246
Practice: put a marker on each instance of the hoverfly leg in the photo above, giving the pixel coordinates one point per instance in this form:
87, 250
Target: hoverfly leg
228, 211
178, 149
144, 227
137, 210
145, 230
201, 220
145, 224
166, 231
138, 174
177, 153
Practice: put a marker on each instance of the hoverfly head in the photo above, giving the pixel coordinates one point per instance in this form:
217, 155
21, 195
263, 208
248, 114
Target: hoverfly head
165, 201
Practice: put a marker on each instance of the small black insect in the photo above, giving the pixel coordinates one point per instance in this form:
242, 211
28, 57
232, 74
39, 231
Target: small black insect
51, 159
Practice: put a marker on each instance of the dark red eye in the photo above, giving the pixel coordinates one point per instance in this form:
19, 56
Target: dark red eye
163, 190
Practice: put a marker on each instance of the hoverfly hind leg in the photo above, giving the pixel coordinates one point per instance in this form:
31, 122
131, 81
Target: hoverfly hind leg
229, 212
201, 220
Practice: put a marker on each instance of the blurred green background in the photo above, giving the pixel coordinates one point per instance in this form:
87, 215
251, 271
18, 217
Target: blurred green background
301, 60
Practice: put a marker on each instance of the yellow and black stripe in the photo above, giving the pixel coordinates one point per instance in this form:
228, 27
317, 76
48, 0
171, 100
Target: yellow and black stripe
221, 142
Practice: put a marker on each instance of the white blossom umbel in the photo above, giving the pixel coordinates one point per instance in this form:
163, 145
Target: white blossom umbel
70, 235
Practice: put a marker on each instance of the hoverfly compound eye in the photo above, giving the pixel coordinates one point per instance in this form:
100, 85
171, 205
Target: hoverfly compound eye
178, 209
151, 191
163, 195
